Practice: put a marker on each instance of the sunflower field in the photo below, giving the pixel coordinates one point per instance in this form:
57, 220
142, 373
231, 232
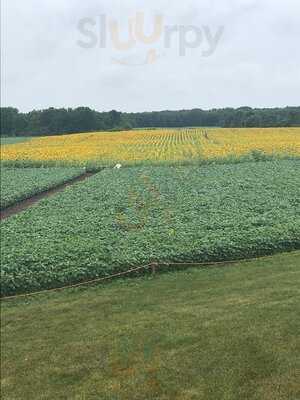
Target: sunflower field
163, 146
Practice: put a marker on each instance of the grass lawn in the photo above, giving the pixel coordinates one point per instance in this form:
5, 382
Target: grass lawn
13, 140
212, 333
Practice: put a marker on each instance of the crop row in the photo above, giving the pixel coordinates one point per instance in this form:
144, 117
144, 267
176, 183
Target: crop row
129, 217
20, 183
157, 146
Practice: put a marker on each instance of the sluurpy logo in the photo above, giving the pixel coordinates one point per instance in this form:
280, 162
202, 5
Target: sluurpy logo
103, 32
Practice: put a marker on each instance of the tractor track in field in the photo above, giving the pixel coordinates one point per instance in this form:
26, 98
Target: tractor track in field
30, 201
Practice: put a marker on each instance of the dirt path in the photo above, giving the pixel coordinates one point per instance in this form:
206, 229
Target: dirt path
24, 204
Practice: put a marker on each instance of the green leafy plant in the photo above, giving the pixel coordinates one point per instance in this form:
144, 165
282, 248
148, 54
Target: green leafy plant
21, 183
134, 216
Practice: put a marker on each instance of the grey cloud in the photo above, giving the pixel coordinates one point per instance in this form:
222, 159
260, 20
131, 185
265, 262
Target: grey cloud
256, 61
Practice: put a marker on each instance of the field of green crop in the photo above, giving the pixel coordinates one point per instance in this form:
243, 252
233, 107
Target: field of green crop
129, 217
20, 183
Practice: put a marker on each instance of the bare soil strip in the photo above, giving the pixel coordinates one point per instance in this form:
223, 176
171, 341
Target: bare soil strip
24, 204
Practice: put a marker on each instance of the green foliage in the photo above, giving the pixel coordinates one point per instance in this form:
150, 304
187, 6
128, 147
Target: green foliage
21, 183
120, 218
83, 119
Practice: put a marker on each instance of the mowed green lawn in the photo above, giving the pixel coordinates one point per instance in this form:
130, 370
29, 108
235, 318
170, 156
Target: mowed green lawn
213, 333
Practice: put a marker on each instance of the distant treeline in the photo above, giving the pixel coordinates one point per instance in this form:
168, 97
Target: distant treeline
83, 119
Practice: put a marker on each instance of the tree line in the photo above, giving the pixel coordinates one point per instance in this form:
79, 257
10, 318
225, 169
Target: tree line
53, 121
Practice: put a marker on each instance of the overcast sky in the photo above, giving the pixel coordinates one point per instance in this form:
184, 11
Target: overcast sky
206, 54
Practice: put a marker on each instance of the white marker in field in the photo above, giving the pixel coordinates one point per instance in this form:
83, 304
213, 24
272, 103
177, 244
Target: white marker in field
118, 166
